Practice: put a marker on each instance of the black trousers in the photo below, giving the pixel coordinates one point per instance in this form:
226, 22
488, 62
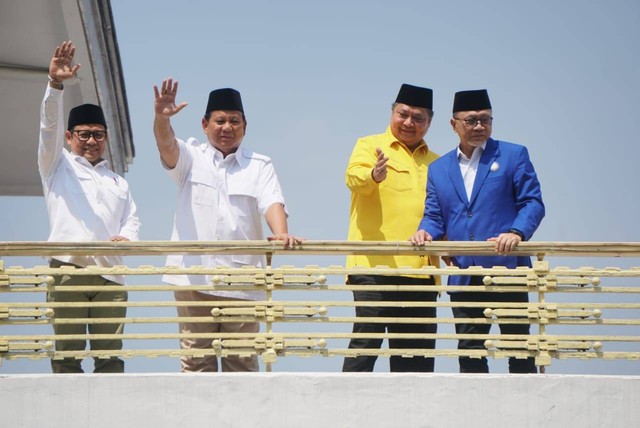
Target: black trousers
479, 365
365, 363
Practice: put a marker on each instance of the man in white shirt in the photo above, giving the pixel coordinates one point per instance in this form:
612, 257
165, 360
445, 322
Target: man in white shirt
224, 191
86, 201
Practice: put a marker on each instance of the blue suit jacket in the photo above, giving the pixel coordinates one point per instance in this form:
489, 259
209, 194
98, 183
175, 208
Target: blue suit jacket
507, 197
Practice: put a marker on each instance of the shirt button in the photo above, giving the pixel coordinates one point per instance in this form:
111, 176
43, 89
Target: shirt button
471, 237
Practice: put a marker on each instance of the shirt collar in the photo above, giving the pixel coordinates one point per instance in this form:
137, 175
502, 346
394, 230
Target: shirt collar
477, 150
391, 139
239, 157
104, 163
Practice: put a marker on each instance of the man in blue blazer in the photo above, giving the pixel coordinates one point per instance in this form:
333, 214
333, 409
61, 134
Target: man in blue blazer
484, 190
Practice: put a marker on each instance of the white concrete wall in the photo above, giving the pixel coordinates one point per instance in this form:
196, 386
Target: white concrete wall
318, 400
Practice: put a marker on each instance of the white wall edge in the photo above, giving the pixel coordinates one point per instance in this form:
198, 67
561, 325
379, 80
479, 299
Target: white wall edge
319, 400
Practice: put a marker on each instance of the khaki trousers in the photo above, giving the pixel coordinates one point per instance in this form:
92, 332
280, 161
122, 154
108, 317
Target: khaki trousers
210, 363
72, 365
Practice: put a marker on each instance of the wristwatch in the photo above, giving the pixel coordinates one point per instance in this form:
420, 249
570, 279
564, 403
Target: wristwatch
55, 82
517, 232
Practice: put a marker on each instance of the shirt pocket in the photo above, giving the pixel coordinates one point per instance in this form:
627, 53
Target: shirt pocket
116, 190
243, 196
77, 182
203, 188
398, 176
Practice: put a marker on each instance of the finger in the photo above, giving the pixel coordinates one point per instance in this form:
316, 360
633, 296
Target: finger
181, 106
64, 52
165, 84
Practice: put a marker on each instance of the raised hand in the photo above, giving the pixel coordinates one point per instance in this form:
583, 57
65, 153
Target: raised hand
379, 172
60, 68
165, 99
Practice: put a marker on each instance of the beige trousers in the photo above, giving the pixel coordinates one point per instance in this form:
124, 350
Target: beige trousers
72, 365
210, 363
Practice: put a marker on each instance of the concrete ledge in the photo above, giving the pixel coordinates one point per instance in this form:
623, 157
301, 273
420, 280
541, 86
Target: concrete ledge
319, 400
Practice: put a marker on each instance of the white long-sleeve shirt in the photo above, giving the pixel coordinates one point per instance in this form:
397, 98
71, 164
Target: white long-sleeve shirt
469, 167
85, 202
220, 199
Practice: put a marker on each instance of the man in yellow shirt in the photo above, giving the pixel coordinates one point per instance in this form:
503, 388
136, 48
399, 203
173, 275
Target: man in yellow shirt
387, 176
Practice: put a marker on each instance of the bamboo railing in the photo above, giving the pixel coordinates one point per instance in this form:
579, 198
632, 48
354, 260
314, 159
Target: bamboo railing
574, 313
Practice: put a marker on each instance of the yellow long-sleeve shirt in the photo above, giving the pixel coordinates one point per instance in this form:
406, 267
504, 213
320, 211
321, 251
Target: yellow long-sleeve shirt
390, 210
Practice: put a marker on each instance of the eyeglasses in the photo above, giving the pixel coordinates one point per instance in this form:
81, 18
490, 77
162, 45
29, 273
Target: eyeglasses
471, 122
84, 136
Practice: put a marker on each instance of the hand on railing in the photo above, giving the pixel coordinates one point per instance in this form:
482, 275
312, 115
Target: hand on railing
420, 237
289, 240
506, 242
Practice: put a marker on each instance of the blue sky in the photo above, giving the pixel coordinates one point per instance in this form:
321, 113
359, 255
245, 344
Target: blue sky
315, 76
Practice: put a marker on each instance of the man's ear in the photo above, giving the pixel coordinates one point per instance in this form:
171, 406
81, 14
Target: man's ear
68, 135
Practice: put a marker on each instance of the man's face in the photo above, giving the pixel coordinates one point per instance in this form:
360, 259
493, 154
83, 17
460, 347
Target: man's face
409, 124
88, 141
225, 130
473, 128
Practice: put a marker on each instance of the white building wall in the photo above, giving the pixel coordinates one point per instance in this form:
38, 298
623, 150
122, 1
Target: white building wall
318, 400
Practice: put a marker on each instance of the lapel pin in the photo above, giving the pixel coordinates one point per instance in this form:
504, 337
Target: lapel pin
495, 166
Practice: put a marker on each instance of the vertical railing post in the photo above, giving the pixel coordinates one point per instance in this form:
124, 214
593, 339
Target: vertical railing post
269, 287
541, 269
